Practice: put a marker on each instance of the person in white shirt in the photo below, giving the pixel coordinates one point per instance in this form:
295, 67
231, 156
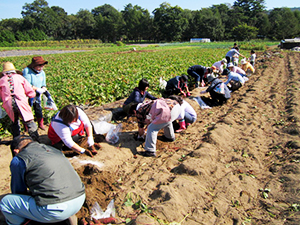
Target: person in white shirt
220, 65
66, 127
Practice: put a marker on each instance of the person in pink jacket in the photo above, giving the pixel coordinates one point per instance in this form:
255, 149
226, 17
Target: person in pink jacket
14, 93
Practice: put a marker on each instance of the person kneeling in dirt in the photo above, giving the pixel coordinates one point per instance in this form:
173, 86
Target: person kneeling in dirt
199, 73
177, 85
155, 115
14, 90
67, 126
138, 95
218, 91
44, 185
187, 115
234, 80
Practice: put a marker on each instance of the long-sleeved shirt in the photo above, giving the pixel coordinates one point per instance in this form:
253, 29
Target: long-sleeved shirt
17, 183
64, 131
175, 83
21, 90
236, 77
34, 78
239, 70
137, 97
219, 66
231, 53
247, 66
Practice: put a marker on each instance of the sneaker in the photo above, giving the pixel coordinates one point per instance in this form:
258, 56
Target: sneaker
147, 154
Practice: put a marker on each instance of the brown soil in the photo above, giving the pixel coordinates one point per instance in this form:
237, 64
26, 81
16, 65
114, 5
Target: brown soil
238, 164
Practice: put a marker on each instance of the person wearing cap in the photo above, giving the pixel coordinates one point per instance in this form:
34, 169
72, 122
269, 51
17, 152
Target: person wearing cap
234, 80
236, 69
36, 76
218, 91
14, 91
44, 185
138, 95
177, 85
66, 127
247, 67
231, 53
199, 73
220, 66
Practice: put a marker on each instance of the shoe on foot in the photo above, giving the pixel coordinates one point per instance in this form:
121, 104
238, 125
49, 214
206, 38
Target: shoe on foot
148, 154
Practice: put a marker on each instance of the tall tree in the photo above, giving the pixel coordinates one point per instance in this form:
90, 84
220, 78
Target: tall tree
85, 24
169, 22
249, 9
210, 25
40, 16
109, 23
137, 21
283, 22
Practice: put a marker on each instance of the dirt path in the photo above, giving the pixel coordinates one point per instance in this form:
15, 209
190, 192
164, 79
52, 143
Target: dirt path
238, 164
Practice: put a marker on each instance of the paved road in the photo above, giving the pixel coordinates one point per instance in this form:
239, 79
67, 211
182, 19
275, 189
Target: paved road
34, 52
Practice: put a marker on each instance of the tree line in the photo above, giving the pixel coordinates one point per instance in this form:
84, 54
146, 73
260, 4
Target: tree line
244, 20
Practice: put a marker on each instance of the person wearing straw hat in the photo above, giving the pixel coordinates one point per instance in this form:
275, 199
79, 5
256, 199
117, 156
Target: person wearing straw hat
45, 187
237, 69
14, 90
36, 76
247, 67
218, 91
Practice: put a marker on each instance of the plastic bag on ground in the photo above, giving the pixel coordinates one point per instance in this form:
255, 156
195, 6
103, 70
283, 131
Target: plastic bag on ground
202, 104
102, 127
97, 213
113, 134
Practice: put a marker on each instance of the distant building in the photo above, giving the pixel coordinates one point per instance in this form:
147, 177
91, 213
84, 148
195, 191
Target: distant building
203, 40
290, 43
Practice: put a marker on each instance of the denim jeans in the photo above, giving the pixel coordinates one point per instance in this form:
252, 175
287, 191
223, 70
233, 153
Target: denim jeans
152, 130
18, 208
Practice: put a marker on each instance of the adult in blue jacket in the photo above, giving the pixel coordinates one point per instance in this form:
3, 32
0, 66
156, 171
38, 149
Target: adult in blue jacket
44, 185
138, 95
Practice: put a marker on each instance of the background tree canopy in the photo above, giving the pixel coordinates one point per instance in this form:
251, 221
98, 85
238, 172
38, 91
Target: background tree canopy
244, 20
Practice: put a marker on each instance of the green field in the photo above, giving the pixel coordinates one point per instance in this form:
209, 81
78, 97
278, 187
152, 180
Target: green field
104, 75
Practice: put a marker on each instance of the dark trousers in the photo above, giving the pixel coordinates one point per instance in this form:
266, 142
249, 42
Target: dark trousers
15, 127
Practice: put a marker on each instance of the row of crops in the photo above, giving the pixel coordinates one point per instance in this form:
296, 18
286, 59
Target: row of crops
94, 77
104, 75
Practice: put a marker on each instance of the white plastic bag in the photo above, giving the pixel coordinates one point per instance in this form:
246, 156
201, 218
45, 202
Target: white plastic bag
113, 134
162, 84
50, 105
102, 127
97, 213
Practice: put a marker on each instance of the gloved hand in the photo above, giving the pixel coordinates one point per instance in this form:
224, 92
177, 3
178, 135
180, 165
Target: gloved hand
90, 141
40, 90
87, 152
184, 94
188, 94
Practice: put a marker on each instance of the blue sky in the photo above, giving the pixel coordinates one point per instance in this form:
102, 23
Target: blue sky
13, 8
